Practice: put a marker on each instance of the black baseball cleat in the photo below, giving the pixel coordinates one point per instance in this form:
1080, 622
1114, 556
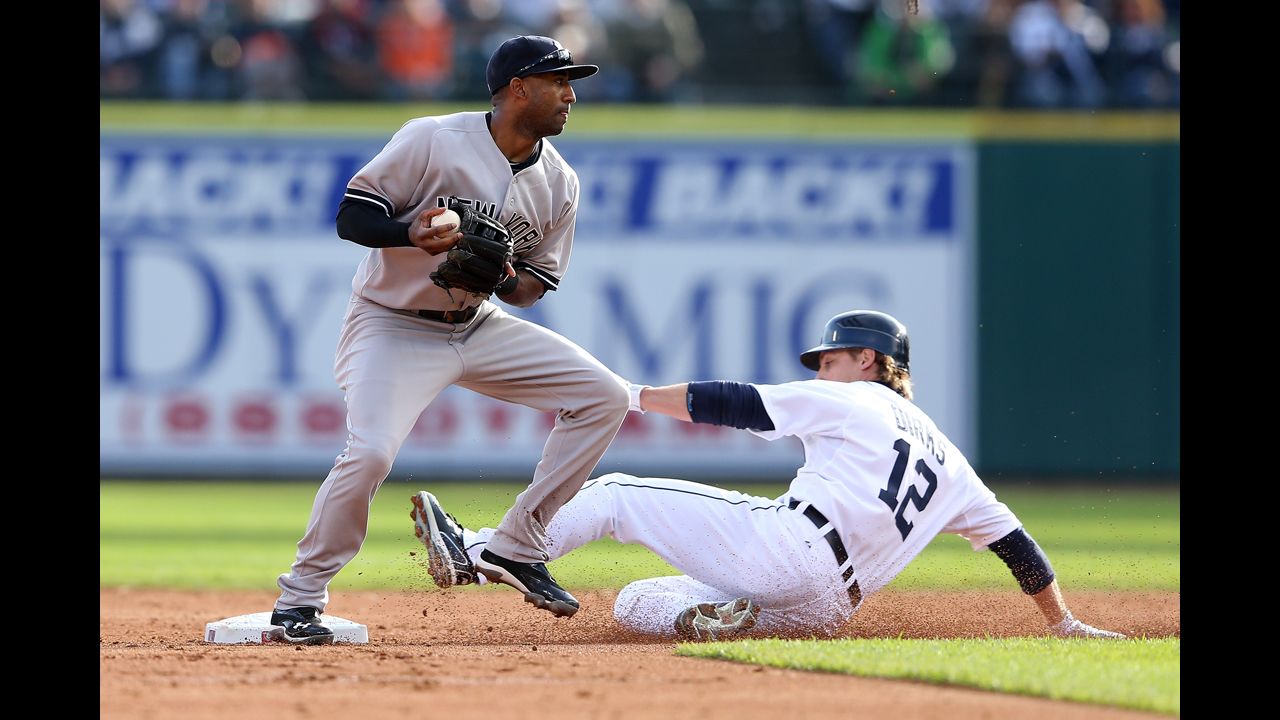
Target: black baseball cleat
441, 533
300, 627
532, 579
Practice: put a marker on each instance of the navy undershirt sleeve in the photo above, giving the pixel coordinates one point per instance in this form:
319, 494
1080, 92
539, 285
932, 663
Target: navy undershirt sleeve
365, 224
1024, 557
727, 403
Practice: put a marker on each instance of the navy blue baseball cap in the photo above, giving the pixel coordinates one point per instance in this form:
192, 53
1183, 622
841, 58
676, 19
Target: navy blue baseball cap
530, 55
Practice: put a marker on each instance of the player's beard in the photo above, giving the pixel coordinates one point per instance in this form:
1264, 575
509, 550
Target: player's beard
556, 125
546, 126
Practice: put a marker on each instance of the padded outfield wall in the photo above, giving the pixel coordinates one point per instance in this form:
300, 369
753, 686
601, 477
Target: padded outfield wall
711, 243
1079, 307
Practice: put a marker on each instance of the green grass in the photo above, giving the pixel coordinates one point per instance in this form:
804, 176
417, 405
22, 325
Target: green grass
1095, 538
242, 535
701, 121
1142, 674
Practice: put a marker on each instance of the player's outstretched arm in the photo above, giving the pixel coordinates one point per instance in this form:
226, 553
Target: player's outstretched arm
1034, 574
730, 404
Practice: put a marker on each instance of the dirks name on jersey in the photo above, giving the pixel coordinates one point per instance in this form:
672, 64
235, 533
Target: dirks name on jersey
908, 422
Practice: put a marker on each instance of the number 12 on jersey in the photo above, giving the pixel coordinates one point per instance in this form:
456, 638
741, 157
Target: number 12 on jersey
889, 495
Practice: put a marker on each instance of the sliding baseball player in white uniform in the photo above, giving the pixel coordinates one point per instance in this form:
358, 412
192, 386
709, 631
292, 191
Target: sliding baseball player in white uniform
879, 482
405, 339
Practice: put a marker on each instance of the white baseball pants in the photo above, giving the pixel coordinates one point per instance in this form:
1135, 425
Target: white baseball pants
728, 544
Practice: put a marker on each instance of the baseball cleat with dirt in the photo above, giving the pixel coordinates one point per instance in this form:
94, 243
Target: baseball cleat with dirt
709, 621
440, 532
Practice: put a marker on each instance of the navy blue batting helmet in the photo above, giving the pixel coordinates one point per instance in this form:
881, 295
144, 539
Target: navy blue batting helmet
863, 329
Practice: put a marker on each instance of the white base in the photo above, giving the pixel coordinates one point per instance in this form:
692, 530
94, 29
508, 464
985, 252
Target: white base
257, 629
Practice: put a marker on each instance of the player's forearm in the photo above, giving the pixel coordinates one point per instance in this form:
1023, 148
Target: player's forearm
1028, 563
1031, 568
669, 400
1051, 604
730, 404
527, 291
1061, 622
366, 225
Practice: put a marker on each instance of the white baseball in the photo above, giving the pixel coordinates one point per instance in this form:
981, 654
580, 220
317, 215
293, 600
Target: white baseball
448, 216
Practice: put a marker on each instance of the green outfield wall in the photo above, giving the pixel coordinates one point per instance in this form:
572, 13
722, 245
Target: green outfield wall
1078, 307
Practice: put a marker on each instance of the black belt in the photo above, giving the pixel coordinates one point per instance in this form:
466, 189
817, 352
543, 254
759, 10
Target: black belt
449, 316
833, 539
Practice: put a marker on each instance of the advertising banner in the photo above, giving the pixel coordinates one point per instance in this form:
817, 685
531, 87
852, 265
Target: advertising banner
223, 286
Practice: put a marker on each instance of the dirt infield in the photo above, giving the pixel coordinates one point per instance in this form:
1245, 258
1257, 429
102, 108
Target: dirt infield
473, 654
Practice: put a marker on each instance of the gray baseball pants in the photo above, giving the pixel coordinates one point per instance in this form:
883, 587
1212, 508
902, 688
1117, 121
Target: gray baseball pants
391, 364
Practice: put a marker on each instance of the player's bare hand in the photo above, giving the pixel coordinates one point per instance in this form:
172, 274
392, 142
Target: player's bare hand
435, 239
511, 272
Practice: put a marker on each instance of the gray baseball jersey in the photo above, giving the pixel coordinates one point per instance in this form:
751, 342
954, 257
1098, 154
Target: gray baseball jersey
432, 158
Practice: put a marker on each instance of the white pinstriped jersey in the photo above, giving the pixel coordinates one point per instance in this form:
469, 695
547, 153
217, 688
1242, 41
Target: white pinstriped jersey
431, 158
882, 473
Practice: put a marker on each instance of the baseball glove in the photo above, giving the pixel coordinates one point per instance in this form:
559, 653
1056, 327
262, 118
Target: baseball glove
477, 263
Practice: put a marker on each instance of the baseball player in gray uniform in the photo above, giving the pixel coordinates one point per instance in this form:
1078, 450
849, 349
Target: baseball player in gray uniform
879, 482
405, 338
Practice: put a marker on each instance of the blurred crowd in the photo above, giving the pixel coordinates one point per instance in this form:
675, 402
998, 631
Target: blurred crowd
951, 53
